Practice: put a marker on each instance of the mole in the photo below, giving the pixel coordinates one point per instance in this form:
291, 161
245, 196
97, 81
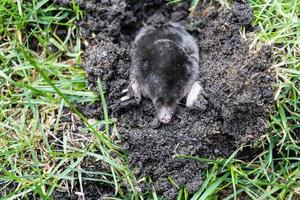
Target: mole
165, 68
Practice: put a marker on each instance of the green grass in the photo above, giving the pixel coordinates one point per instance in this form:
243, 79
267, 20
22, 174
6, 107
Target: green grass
275, 173
40, 77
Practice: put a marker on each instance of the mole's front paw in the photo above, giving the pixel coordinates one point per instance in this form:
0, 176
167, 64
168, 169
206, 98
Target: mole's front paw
200, 103
196, 97
128, 96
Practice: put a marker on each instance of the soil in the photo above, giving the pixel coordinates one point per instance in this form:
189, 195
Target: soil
236, 78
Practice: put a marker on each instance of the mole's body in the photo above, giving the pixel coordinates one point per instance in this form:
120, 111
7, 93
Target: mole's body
165, 68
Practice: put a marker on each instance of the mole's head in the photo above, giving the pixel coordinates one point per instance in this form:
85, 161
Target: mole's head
165, 107
166, 71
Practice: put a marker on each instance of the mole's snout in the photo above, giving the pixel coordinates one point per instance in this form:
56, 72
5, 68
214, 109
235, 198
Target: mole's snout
165, 119
165, 114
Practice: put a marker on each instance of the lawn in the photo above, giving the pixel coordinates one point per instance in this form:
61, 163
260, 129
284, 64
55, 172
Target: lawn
41, 82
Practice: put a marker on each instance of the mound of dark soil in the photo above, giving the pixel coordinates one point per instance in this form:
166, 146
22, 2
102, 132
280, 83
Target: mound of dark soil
236, 79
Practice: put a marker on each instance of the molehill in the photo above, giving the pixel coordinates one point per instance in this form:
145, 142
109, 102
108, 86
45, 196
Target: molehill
236, 78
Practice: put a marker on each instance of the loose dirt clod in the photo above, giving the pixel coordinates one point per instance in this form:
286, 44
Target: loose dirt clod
237, 81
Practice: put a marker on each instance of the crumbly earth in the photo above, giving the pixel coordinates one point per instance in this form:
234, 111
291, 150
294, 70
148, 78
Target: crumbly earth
236, 78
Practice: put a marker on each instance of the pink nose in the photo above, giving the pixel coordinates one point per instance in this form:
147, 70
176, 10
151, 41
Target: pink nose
165, 119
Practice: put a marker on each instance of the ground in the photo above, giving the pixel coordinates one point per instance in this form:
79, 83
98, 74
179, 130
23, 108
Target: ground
74, 142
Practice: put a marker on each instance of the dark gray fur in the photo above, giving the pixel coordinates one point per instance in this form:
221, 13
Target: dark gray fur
164, 64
